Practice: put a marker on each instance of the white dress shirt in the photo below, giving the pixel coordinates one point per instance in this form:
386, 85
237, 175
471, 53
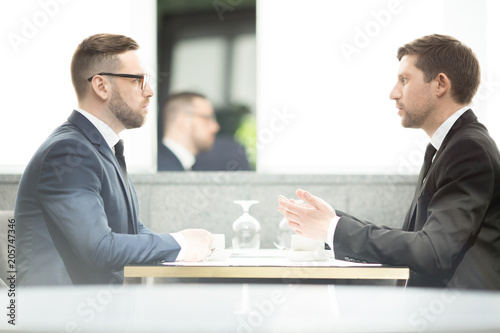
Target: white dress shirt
186, 158
436, 140
107, 133
112, 139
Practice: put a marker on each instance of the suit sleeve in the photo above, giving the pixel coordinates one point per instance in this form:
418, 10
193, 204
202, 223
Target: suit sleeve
143, 229
464, 187
69, 186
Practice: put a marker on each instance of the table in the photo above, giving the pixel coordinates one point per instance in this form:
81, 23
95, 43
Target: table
267, 264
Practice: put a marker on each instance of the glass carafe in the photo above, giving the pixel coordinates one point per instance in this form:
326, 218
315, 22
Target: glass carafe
246, 228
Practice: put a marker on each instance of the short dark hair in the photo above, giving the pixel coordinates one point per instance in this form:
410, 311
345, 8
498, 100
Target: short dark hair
176, 103
445, 54
95, 54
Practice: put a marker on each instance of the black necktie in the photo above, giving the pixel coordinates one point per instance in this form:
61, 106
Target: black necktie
121, 161
429, 154
410, 218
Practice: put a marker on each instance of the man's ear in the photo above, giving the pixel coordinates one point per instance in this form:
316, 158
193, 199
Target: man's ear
101, 87
443, 84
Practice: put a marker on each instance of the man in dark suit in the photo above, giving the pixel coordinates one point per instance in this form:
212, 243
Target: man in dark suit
451, 234
189, 128
167, 160
76, 210
226, 155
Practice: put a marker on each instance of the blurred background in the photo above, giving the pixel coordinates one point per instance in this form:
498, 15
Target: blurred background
304, 86
209, 47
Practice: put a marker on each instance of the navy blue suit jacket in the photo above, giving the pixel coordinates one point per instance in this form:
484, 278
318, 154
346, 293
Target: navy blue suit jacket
75, 220
226, 155
167, 161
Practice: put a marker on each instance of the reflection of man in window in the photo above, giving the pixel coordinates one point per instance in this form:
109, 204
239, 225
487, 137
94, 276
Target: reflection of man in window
190, 128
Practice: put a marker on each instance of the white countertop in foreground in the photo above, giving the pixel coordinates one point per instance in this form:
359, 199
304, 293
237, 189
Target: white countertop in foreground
252, 308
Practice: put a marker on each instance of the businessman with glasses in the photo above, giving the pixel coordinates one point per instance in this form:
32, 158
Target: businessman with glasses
76, 208
141, 79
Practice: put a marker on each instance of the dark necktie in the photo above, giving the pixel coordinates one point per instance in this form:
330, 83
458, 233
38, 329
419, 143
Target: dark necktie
410, 219
121, 161
429, 154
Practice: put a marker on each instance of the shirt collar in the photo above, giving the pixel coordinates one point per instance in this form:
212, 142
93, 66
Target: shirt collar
107, 133
438, 137
186, 158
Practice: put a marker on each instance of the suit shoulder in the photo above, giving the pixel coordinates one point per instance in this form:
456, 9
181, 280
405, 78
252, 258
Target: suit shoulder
475, 134
65, 135
64, 142
471, 146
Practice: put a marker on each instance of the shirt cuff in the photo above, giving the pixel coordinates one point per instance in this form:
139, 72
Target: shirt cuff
179, 238
331, 232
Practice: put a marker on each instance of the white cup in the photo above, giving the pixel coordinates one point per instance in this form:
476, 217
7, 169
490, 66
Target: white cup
219, 242
301, 243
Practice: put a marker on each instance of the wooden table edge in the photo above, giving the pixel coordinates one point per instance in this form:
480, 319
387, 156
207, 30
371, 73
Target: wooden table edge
269, 272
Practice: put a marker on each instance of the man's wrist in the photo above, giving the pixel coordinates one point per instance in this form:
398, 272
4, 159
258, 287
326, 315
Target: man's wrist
331, 232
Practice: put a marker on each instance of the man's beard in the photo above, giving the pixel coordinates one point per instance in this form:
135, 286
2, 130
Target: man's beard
124, 113
201, 144
416, 116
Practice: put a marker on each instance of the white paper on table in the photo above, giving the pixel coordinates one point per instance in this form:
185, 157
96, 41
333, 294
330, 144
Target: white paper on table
263, 258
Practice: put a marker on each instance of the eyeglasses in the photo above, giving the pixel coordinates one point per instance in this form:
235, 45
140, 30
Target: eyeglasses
204, 116
144, 78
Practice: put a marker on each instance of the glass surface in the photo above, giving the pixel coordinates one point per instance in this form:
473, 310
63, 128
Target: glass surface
246, 228
285, 232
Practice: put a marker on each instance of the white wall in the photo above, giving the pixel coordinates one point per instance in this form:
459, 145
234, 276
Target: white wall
320, 109
38, 38
325, 70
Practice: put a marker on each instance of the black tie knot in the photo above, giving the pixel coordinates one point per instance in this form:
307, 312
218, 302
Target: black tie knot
119, 148
429, 153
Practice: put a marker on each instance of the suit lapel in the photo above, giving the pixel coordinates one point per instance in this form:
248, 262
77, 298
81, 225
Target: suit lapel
96, 138
465, 119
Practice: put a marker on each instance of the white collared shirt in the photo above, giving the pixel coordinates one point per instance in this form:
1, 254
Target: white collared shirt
186, 158
438, 137
436, 140
112, 139
107, 133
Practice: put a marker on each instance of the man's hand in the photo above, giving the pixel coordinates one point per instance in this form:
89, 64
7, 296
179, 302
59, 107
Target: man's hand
311, 219
198, 242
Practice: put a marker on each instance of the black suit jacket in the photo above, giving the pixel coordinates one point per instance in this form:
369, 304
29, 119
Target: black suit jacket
451, 237
76, 223
167, 160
